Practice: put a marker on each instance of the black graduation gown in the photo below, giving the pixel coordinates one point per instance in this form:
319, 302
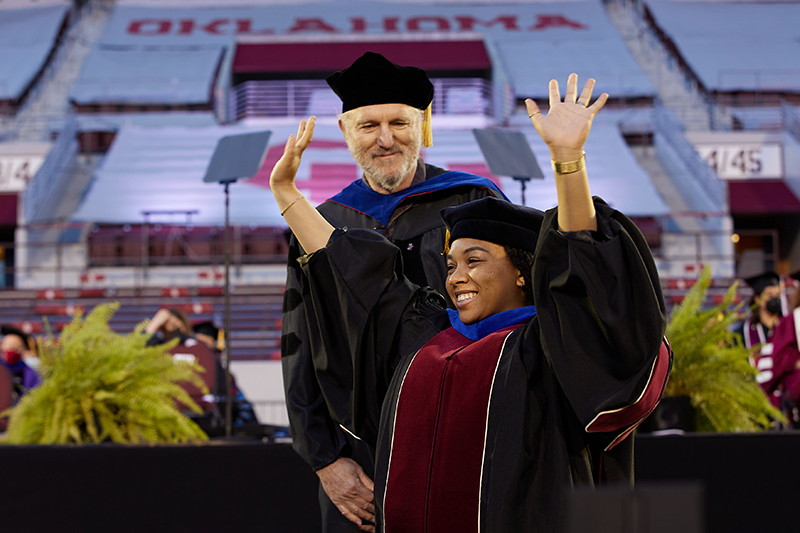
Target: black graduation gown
568, 387
417, 229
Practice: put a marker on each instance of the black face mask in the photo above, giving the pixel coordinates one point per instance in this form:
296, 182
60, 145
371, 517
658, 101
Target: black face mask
774, 306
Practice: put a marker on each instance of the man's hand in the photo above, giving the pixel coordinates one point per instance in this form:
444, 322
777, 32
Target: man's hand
349, 488
281, 180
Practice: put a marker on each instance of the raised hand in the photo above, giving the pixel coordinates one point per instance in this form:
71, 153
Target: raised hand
567, 123
310, 228
285, 170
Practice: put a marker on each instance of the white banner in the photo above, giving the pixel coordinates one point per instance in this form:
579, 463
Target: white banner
744, 161
17, 170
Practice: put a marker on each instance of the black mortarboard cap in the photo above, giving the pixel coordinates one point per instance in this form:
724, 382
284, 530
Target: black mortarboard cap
372, 79
494, 220
10, 330
206, 328
762, 281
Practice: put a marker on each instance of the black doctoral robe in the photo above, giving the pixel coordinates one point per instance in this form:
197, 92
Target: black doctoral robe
565, 389
414, 225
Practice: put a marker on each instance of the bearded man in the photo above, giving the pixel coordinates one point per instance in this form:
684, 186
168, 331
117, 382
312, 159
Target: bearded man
386, 111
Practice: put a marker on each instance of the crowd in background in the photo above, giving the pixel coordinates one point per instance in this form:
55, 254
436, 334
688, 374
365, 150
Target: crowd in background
18, 356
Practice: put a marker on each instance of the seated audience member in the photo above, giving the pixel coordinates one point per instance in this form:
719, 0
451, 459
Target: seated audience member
485, 416
761, 320
780, 376
167, 324
758, 327
20, 359
212, 336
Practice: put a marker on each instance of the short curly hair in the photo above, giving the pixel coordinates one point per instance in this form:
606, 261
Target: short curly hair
523, 261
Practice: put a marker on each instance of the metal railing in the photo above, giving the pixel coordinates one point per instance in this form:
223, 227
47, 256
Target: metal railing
52, 176
156, 245
670, 128
33, 124
759, 80
300, 98
670, 69
790, 118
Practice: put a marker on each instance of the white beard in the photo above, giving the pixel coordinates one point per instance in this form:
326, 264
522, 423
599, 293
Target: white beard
387, 179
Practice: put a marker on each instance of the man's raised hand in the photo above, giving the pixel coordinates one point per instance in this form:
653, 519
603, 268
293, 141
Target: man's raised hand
285, 170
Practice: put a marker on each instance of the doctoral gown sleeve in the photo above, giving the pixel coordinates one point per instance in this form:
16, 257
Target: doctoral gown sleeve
363, 315
602, 319
315, 436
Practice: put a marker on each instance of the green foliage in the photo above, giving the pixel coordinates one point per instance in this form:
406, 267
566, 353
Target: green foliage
98, 386
712, 367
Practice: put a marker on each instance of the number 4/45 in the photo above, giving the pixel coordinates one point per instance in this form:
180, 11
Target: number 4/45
727, 162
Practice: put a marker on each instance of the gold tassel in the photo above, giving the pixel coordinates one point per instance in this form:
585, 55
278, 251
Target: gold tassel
220, 339
446, 242
427, 133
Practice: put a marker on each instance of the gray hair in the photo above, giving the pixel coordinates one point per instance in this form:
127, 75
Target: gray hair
348, 117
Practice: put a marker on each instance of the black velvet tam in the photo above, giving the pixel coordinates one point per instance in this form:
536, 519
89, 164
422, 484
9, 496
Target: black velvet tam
762, 281
372, 79
496, 221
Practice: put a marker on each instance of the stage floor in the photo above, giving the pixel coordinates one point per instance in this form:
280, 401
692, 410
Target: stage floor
239, 486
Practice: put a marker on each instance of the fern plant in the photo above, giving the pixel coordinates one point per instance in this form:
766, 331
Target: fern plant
98, 385
711, 364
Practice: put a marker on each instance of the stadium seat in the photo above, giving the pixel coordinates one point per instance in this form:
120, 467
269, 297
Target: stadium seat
174, 292
196, 308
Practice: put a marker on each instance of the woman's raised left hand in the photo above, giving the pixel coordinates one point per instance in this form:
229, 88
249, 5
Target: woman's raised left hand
567, 123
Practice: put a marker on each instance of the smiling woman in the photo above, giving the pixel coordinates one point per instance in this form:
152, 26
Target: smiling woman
483, 418
482, 281
482, 277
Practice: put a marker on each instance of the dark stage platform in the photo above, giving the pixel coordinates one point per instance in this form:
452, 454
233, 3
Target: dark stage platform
243, 487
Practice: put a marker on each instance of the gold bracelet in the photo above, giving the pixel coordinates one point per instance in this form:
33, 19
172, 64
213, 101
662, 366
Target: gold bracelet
570, 166
301, 197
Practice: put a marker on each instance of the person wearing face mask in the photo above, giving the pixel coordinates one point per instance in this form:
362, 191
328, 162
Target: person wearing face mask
20, 359
758, 327
766, 310
779, 374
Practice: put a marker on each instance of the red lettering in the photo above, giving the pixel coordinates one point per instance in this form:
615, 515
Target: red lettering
441, 23
360, 25
185, 27
160, 26
556, 21
311, 25
467, 22
213, 26
245, 26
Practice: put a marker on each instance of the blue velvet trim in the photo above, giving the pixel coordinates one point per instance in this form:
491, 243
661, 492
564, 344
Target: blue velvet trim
488, 325
379, 206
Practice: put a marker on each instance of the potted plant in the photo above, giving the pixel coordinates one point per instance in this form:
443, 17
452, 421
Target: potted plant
711, 369
100, 386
